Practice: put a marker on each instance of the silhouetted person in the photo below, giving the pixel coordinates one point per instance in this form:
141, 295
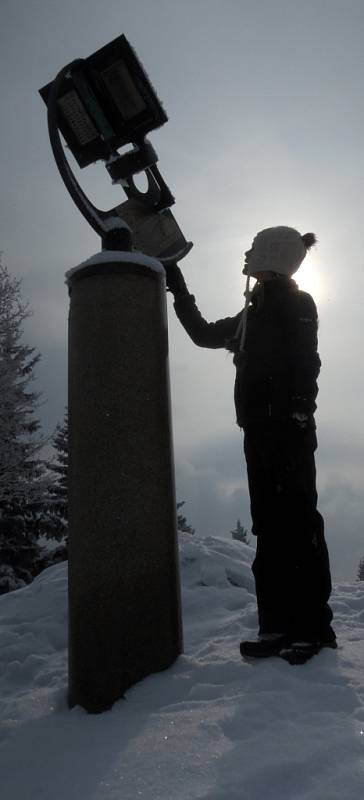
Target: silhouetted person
274, 342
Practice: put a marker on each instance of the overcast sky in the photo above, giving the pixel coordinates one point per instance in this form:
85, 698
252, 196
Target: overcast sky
266, 127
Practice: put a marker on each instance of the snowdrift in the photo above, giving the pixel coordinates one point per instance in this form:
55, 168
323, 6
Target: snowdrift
210, 727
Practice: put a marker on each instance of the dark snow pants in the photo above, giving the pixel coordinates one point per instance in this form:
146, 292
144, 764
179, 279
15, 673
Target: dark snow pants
291, 567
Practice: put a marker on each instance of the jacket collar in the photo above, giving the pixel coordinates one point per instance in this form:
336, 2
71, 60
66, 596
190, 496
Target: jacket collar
272, 290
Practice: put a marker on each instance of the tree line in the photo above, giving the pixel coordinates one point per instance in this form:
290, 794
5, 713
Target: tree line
33, 493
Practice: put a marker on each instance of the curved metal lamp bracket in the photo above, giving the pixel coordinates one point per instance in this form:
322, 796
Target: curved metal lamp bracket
101, 221
110, 225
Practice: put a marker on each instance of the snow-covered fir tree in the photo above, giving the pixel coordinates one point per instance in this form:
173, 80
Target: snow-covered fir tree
57, 501
23, 478
182, 524
240, 533
361, 570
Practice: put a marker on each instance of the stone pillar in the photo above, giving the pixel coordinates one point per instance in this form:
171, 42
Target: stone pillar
124, 593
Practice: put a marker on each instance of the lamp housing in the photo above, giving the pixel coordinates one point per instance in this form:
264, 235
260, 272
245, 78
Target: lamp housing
105, 102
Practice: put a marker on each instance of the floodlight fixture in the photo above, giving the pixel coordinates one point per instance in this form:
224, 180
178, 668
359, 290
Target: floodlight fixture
104, 102
100, 104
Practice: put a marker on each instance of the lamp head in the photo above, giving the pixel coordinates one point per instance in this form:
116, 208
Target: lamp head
106, 101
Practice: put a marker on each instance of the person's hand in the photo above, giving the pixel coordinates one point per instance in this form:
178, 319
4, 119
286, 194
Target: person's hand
175, 280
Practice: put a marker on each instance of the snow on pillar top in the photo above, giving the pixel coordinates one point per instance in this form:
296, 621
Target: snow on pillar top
116, 256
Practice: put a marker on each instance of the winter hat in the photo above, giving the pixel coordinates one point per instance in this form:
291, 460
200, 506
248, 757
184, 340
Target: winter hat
280, 249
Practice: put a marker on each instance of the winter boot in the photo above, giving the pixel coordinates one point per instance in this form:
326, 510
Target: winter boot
265, 646
300, 652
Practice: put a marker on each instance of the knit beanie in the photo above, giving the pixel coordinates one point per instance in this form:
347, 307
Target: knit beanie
280, 249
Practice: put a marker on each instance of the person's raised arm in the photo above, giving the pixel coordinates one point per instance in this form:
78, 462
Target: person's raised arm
203, 333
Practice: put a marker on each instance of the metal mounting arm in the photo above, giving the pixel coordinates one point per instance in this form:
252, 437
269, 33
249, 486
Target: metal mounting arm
103, 222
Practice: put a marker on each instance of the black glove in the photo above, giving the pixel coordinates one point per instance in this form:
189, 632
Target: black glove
175, 280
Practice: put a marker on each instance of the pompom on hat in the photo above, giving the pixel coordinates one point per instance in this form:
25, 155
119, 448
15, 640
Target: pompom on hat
280, 249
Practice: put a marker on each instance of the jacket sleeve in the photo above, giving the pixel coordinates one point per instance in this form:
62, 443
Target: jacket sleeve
305, 360
203, 333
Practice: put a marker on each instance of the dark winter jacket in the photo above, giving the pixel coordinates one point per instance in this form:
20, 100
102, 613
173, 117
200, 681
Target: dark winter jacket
277, 371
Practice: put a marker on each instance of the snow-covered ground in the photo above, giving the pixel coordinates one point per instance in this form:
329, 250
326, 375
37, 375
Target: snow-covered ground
211, 727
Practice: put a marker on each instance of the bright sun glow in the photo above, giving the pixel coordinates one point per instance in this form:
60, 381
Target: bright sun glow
310, 277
